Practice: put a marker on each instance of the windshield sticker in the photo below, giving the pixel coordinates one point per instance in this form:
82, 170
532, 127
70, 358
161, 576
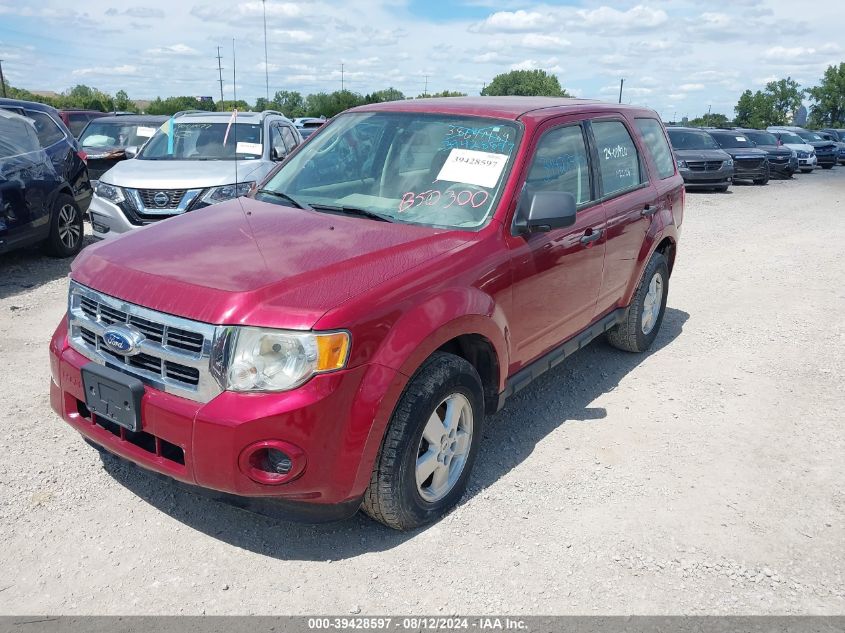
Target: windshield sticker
473, 167
248, 148
486, 139
432, 197
739, 138
145, 131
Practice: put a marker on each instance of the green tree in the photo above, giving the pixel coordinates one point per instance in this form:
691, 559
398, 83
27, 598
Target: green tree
172, 105
288, 102
229, 105
774, 105
261, 104
525, 83
710, 119
123, 103
332, 103
786, 96
388, 94
445, 93
829, 97
754, 109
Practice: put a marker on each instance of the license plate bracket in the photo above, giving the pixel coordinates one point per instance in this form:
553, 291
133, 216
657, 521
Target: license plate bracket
112, 395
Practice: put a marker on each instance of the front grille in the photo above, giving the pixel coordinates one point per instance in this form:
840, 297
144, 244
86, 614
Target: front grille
174, 355
174, 197
748, 163
704, 165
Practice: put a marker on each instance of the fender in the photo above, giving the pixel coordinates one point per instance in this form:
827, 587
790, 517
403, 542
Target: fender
418, 334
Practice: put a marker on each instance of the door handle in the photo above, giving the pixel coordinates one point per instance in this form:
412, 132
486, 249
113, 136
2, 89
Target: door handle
650, 209
589, 238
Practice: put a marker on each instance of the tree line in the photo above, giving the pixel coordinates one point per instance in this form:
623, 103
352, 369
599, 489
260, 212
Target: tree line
773, 105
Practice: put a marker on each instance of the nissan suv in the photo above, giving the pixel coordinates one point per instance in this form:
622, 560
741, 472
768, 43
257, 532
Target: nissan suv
335, 339
194, 160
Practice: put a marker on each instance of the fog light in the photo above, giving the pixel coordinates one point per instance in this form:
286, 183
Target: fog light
272, 462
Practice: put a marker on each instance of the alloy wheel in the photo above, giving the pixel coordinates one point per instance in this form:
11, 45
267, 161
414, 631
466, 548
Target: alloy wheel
444, 447
652, 303
69, 230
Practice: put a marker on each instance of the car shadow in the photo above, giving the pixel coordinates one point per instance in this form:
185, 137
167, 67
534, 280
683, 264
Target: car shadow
708, 192
27, 268
559, 397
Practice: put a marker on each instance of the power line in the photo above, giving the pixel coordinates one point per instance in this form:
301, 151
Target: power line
266, 68
220, 73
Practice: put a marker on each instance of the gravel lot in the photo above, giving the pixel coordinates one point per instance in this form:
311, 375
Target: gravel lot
703, 478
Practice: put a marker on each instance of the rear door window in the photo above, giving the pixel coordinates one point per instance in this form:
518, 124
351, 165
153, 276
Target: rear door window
561, 163
47, 130
619, 161
655, 140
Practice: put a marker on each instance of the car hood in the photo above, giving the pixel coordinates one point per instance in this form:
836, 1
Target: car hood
825, 145
256, 263
180, 174
701, 154
745, 152
775, 150
800, 147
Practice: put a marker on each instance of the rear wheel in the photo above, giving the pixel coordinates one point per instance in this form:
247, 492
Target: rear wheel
430, 445
806, 171
644, 316
66, 228
827, 166
721, 188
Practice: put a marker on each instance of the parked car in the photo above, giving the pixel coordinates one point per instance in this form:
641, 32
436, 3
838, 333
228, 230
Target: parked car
806, 154
701, 162
835, 137
76, 120
826, 151
335, 339
783, 162
107, 140
63, 149
195, 160
307, 126
36, 202
750, 163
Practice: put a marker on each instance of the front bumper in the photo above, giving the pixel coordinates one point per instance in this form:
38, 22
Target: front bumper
335, 419
783, 169
826, 159
707, 179
107, 219
750, 172
807, 163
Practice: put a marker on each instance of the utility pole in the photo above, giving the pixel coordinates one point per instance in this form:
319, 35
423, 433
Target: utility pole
266, 69
341, 77
2, 80
621, 83
234, 77
425, 90
220, 73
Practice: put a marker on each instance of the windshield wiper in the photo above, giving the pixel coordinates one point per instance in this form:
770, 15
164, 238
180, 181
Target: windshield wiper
284, 196
364, 213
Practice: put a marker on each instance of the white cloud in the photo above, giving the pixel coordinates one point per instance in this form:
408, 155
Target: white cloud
125, 69
690, 87
543, 42
512, 22
637, 18
175, 49
294, 36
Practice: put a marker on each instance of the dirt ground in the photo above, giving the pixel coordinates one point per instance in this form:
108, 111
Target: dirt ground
706, 477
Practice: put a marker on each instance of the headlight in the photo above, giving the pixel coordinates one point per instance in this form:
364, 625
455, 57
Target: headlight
794, 153
227, 192
682, 164
729, 162
109, 192
259, 359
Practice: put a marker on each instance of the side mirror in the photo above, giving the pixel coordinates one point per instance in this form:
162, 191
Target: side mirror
131, 151
277, 154
543, 211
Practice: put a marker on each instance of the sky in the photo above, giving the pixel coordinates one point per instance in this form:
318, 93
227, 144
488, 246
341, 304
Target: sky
680, 57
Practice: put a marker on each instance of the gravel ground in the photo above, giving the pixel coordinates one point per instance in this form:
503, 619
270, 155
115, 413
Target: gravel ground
705, 477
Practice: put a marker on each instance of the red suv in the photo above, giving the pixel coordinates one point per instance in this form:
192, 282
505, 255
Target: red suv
334, 340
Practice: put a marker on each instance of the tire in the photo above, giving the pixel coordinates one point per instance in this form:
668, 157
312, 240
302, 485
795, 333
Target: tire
721, 188
827, 166
630, 335
394, 496
806, 171
66, 228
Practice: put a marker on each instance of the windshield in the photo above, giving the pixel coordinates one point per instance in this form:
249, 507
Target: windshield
204, 141
732, 139
808, 136
791, 139
429, 169
686, 139
117, 134
762, 138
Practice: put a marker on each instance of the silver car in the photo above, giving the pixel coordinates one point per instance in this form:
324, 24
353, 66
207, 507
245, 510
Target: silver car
195, 159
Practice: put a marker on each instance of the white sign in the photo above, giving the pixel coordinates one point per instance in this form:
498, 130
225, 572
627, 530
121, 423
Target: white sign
248, 148
739, 138
145, 131
473, 167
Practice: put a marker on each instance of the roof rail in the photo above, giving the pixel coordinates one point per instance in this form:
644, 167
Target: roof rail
264, 113
182, 112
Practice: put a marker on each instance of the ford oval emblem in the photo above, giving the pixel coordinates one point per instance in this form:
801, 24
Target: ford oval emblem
161, 199
122, 340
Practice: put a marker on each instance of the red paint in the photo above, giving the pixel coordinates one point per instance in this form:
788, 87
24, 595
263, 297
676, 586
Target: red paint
402, 291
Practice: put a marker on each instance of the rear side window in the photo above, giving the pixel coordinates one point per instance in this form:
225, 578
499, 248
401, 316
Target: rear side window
655, 140
15, 138
561, 164
288, 138
619, 162
47, 130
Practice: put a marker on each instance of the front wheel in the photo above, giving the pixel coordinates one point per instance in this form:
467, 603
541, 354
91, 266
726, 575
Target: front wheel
806, 171
66, 228
827, 166
430, 445
644, 316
